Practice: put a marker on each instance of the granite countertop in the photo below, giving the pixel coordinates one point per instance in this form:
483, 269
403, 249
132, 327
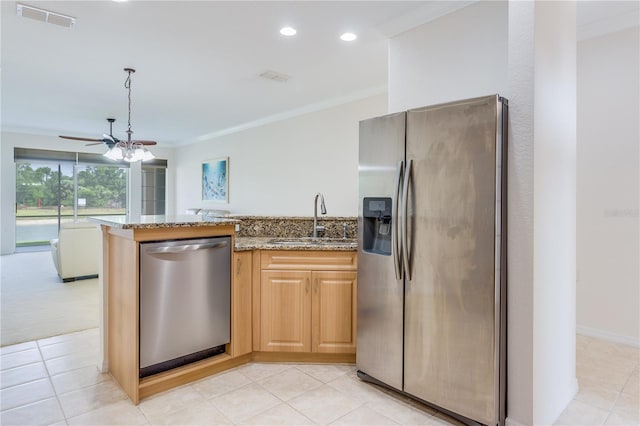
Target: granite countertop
242, 243
161, 221
320, 218
302, 243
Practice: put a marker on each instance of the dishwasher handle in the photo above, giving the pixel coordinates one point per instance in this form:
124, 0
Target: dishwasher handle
187, 247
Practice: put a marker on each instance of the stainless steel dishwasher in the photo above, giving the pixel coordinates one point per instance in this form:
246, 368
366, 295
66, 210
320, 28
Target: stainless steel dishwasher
185, 301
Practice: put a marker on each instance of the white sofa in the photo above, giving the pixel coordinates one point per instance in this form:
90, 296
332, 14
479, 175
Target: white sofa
77, 250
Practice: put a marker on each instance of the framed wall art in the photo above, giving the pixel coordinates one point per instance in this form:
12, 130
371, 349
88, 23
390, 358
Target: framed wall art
215, 180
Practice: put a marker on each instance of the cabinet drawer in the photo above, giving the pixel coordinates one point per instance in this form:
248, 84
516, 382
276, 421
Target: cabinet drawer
309, 260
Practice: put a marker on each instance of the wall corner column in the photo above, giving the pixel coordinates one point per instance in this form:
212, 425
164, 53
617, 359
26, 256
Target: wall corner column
542, 164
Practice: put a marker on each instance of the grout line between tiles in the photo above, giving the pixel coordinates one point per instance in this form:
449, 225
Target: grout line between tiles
55, 393
613, 406
20, 366
49, 377
302, 414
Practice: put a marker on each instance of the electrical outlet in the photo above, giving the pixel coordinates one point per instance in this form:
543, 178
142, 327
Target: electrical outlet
237, 227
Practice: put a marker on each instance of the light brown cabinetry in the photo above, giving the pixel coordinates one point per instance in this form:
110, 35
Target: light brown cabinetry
307, 302
333, 311
120, 275
241, 304
283, 304
286, 311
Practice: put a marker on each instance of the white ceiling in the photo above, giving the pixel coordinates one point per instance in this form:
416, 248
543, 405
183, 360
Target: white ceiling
198, 63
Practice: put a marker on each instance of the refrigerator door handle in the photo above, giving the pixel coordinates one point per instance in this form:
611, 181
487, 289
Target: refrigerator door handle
395, 232
406, 241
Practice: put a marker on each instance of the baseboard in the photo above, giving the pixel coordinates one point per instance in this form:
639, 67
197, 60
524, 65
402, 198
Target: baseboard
568, 397
510, 422
303, 357
605, 335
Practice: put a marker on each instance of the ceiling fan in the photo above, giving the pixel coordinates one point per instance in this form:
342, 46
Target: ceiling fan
128, 150
108, 140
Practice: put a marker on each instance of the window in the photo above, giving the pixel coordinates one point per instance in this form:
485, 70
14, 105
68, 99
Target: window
57, 186
53, 187
154, 189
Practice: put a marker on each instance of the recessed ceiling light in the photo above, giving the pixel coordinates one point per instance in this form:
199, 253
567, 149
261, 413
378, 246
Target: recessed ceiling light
288, 31
348, 37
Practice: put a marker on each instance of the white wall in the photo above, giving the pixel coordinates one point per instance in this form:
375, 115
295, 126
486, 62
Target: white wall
608, 288
10, 140
500, 47
520, 289
468, 47
554, 209
277, 168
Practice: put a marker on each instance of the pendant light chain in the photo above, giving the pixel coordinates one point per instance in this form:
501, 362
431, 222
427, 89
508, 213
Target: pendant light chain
129, 150
127, 85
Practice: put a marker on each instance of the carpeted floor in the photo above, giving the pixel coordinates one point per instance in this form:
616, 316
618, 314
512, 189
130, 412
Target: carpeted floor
35, 303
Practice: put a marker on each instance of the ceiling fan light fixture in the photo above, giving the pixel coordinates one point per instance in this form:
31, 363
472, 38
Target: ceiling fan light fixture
114, 154
132, 154
131, 158
147, 155
129, 150
129, 154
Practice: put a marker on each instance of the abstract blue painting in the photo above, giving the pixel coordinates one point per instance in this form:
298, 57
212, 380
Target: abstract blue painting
215, 180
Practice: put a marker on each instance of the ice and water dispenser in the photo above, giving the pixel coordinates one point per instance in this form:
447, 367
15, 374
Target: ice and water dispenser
376, 214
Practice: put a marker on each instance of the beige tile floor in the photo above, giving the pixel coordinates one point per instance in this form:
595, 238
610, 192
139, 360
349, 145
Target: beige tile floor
55, 381
609, 388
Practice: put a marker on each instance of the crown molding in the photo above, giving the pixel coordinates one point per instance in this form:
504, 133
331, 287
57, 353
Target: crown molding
318, 106
431, 11
608, 24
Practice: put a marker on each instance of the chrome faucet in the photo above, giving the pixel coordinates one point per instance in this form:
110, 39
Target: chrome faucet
323, 209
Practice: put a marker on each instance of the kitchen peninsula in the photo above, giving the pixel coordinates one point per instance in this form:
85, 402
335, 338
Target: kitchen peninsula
292, 298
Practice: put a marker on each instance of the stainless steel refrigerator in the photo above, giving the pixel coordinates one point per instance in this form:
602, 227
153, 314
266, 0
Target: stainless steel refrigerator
432, 256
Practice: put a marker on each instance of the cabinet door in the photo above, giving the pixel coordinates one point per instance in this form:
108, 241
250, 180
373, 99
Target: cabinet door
241, 302
334, 312
285, 314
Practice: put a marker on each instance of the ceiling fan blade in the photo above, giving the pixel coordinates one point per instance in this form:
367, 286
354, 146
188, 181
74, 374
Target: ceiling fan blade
145, 142
75, 138
95, 143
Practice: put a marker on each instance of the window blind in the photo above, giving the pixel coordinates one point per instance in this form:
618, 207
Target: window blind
29, 154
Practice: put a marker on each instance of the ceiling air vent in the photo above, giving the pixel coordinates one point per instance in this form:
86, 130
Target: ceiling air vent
275, 76
45, 16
